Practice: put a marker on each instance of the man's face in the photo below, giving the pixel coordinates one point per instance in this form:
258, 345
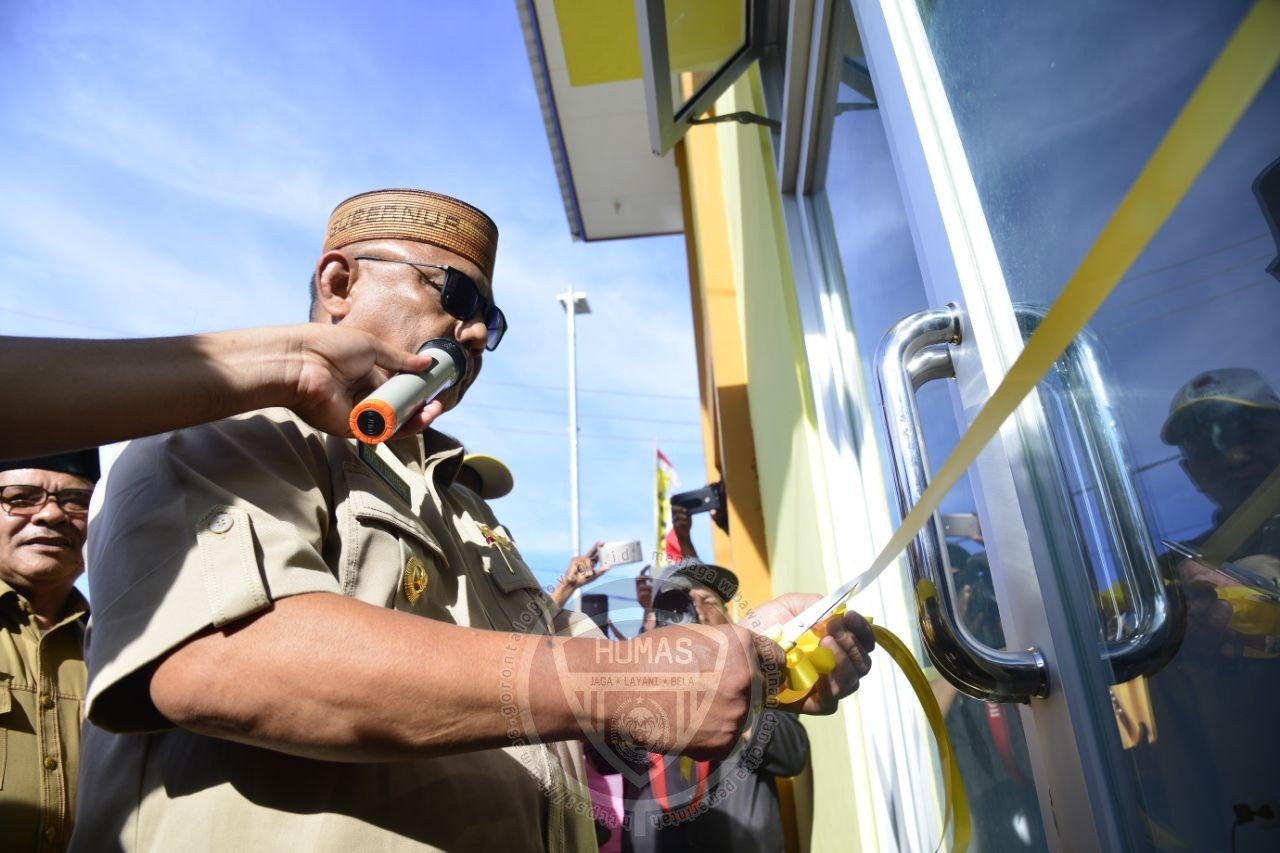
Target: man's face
711, 610
1229, 455
401, 303
45, 547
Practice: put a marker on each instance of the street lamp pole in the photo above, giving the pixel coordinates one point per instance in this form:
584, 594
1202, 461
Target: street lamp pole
574, 303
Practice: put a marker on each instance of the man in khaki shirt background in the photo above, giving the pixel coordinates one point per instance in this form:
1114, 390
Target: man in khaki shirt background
44, 508
261, 674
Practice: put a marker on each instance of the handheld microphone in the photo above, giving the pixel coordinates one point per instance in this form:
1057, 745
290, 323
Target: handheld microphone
376, 418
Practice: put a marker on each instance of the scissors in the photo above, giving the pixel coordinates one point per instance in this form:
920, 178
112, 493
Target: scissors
807, 660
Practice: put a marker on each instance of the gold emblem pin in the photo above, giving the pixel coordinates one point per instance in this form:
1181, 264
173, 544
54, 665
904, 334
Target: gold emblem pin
493, 537
415, 580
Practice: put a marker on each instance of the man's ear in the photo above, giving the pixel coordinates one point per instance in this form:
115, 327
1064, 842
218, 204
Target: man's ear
333, 285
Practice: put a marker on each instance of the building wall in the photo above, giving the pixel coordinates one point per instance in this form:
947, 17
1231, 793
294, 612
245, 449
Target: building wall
744, 295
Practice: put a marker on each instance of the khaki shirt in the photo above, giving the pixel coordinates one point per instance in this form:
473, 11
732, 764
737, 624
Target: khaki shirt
42, 683
208, 525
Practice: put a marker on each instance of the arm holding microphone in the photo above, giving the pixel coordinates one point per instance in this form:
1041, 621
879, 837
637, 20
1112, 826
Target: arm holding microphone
70, 393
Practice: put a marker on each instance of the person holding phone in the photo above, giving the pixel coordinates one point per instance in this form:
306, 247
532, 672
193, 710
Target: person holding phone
582, 570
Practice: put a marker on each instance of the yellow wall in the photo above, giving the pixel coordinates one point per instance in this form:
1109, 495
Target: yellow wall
745, 307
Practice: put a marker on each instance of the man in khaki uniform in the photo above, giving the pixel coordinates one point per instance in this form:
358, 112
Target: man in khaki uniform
261, 674
44, 508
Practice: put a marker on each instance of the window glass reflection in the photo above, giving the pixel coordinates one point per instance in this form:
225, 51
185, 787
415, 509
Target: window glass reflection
882, 285
702, 37
1059, 109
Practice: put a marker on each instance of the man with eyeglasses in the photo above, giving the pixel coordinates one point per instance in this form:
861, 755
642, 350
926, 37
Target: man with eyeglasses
1204, 743
285, 651
44, 513
1226, 425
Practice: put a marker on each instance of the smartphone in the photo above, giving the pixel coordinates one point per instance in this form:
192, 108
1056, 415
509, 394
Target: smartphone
596, 606
699, 500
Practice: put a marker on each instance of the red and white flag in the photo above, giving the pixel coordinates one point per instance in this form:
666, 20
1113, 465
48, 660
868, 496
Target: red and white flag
668, 549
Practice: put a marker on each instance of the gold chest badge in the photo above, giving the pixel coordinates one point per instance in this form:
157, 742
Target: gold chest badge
493, 537
415, 580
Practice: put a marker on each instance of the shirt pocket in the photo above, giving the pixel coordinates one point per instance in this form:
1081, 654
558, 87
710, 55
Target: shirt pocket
396, 561
519, 595
502, 561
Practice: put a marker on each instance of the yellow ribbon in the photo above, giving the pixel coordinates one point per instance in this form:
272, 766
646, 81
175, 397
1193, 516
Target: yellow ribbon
955, 804
808, 660
1226, 91
1216, 105
1255, 511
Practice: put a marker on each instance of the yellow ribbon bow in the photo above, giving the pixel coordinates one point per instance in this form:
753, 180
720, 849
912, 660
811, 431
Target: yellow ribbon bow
808, 660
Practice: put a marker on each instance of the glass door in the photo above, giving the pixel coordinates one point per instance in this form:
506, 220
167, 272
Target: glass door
871, 282
1128, 527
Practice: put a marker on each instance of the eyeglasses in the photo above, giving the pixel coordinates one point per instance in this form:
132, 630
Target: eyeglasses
1216, 432
29, 500
459, 296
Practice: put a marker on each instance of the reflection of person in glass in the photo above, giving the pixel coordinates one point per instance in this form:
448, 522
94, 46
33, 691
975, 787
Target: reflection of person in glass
1226, 423
1215, 752
989, 740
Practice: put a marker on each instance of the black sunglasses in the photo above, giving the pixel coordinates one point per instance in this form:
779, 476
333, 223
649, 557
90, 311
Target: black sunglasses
459, 296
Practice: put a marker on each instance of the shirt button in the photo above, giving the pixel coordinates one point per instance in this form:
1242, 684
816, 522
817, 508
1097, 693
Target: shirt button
221, 523
46, 701
51, 763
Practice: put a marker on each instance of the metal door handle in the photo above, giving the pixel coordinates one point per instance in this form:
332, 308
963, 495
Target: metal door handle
1156, 631
915, 351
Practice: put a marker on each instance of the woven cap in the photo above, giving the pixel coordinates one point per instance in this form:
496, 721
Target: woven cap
418, 215
1234, 386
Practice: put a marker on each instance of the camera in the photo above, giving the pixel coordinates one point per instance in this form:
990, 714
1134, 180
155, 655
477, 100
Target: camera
673, 604
672, 601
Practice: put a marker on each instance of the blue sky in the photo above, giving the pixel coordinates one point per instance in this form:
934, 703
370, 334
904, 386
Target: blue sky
168, 168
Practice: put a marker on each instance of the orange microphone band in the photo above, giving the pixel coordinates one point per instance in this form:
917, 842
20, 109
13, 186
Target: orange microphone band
373, 421
377, 417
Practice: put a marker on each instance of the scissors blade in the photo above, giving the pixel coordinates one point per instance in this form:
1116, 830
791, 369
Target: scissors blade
1180, 549
812, 615
1261, 584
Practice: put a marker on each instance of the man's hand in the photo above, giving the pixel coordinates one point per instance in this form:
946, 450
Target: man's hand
682, 524
688, 657
848, 636
1212, 622
754, 667
582, 570
644, 590
331, 368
